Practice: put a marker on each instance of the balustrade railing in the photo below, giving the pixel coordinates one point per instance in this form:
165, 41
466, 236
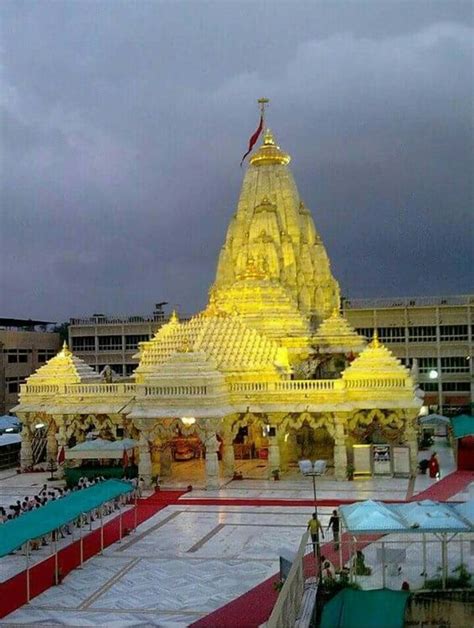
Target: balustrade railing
266, 390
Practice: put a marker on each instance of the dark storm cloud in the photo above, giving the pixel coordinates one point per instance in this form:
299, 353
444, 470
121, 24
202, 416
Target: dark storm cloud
124, 123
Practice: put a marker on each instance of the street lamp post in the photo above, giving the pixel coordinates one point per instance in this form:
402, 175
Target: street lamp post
308, 470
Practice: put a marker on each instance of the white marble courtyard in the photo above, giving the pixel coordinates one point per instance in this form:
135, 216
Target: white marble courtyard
189, 560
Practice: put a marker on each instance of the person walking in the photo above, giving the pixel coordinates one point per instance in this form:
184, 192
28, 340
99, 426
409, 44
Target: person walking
334, 524
314, 527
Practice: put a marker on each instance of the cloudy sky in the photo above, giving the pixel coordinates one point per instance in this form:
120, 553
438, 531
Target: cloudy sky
124, 122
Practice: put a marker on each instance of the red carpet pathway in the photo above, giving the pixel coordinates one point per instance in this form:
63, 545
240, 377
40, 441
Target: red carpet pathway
42, 576
254, 607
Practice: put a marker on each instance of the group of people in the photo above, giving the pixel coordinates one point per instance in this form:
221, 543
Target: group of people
315, 528
46, 495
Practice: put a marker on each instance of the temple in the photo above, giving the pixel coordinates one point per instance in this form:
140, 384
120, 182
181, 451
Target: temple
270, 368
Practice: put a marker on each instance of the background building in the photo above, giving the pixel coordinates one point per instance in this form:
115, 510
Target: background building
25, 345
436, 331
102, 340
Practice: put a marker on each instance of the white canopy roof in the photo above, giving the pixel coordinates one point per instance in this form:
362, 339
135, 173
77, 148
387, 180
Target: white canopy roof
100, 449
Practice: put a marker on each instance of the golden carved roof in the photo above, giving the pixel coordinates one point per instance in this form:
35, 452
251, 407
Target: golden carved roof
376, 362
64, 368
236, 348
335, 335
273, 228
269, 152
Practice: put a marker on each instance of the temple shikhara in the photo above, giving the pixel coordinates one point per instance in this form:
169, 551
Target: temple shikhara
270, 368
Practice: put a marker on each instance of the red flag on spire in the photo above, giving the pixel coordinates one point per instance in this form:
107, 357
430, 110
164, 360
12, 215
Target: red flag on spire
61, 455
253, 139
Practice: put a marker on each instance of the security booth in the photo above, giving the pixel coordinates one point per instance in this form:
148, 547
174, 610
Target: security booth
381, 460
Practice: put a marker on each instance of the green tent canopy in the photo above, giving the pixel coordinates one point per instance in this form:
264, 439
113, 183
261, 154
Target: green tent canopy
41, 521
365, 609
463, 425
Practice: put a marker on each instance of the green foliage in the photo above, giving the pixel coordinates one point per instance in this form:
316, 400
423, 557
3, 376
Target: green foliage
461, 581
62, 330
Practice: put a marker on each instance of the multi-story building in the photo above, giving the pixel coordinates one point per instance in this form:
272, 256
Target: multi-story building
24, 347
436, 331
102, 340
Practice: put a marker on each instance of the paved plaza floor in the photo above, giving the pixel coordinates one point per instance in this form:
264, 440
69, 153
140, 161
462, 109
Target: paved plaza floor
188, 560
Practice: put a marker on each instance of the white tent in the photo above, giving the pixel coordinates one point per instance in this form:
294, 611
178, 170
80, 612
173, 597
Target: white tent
101, 449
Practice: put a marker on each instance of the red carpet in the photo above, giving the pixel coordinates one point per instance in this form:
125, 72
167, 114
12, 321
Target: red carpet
42, 575
215, 501
446, 487
254, 607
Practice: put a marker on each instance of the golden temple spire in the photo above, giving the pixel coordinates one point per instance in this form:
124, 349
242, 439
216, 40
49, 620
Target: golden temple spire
65, 349
269, 153
375, 339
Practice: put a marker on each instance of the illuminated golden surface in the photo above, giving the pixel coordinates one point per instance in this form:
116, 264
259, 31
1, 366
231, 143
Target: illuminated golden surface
335, 335
273, 229
63, 368
231, 365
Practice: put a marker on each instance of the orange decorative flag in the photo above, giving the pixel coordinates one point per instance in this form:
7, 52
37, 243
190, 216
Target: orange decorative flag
253, 139
61, 455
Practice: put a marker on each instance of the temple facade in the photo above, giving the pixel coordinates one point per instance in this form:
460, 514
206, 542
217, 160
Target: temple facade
269, 368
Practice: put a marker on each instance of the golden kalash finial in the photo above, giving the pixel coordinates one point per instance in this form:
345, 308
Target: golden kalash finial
65, 349
269, 152
375, 340
174, 317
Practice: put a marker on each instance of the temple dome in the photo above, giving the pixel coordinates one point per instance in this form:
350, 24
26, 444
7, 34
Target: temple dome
263, 304
335, 335
237, 349
376, 362
63, 368
273, 226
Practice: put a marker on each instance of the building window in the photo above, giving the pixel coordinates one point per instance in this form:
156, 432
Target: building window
110, 343
129, 368
83, 343
45, 354
17, 355
429, 386
453, 332
13, 384
392, 334
456, 387
131, 342
117, 368
425, 365
367, 332
455, 365
425, 333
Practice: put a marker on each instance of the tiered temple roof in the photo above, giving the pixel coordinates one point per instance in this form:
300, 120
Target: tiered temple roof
335, 335
272, 226
63, 368
236, 348
376, 362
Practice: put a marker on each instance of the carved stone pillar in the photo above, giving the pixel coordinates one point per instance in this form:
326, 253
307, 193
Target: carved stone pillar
166, 458
26, 453
52, 443
144, 461
273, 454
61, 439
212, 463
340, 449
410, 439
228, 459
